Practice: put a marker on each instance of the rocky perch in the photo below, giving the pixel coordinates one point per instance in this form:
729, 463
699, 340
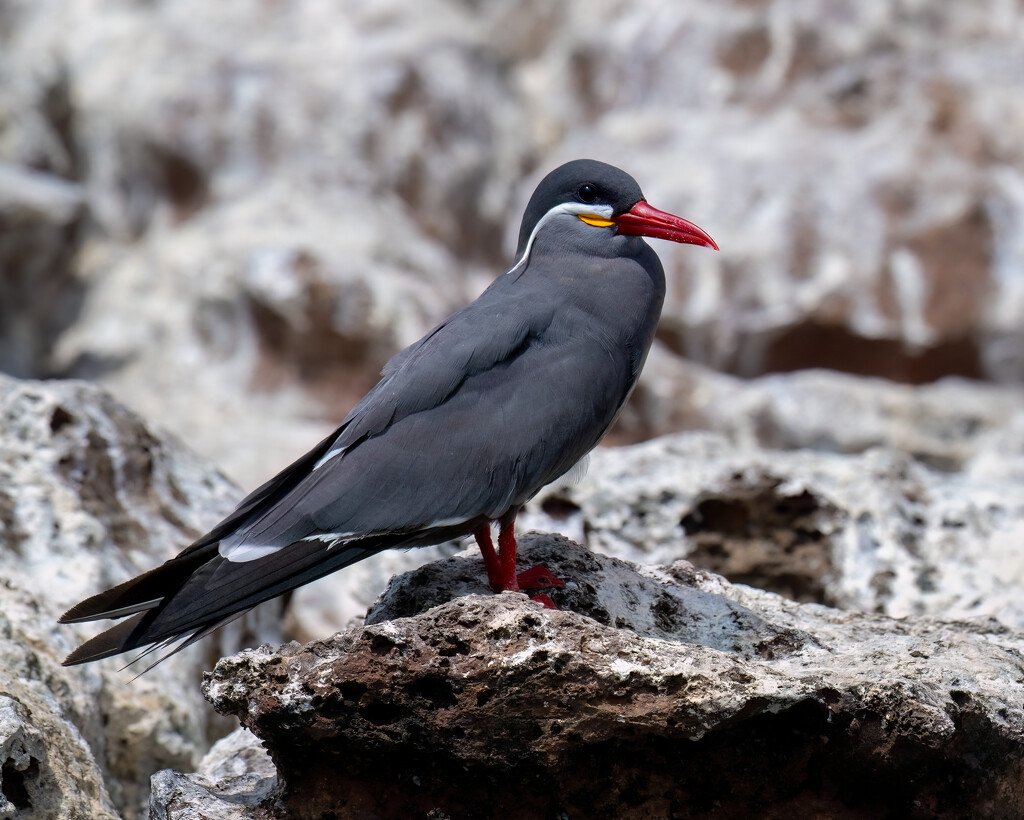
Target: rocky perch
652, 692
655, 691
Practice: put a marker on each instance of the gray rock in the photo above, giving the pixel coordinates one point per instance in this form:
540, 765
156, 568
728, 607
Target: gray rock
49, 724
89, 496
944, 425
854, 492
233, 233
40, 225
234, 776
872, 532
250, 221
676, 692
852, 172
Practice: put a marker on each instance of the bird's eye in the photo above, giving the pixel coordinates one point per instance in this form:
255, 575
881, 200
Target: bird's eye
586, 193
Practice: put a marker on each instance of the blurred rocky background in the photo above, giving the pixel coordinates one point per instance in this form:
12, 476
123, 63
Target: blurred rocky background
230, 215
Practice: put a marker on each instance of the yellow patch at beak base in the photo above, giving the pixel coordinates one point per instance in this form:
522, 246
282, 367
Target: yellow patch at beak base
595, 220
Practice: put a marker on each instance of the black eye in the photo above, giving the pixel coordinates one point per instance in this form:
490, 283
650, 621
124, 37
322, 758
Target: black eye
586, 193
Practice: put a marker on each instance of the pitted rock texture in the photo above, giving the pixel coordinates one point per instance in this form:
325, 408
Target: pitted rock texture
90, 495
878, 531
52, 741
235, 775
703, 699
857, 493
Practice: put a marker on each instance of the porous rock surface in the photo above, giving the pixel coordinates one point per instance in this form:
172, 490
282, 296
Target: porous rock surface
877, 531
231, 214
234, 776
652, 692
89, 496
51, 734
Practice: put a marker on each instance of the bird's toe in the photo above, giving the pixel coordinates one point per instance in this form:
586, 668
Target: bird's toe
539, 577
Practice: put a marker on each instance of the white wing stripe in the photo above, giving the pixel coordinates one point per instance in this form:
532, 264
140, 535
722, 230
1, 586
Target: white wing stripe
327, 457
240, 553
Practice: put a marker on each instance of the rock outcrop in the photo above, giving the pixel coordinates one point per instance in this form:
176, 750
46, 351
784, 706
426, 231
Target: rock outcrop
872, 532
661, 692
52, 738
89, 496
232, 780
852, 492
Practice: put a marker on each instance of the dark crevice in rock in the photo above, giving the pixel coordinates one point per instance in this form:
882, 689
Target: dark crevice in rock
755, 533
15, 782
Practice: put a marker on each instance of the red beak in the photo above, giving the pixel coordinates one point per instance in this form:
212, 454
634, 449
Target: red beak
644, 220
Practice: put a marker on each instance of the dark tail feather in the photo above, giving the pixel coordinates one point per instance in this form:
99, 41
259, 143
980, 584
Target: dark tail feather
198, 591
127, 635
182, 643
139, 594
131, 634
140, 597
189, 597
112, 642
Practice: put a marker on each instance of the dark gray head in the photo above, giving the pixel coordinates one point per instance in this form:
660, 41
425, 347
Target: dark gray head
605, 198
583, 182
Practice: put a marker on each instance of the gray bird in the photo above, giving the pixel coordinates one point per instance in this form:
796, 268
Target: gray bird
464, 427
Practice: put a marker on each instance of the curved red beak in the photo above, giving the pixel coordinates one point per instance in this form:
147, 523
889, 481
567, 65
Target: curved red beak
645, 220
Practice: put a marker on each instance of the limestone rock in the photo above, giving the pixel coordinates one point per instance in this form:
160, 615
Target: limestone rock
873, 532
89, 496
849, 162
232, 214
666, 692
43, 205
40, 225
49, 724
826, 487
943, 425
235, 775
249, 205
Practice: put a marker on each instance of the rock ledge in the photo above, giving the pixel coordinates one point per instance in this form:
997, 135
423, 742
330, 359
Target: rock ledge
653, 692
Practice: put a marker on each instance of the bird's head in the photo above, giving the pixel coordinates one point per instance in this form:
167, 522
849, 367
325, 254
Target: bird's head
599, 197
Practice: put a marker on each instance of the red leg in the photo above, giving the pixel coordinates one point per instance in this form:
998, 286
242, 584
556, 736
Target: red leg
483, 540
507, 556
536, 577
501, 565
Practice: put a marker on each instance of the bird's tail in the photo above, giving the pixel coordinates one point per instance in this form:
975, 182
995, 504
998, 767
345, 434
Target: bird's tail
195, 593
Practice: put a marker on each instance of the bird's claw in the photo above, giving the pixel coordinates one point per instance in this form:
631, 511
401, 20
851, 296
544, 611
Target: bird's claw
539, 577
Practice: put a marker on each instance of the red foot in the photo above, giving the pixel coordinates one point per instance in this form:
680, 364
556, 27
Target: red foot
538, 577
501, 566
